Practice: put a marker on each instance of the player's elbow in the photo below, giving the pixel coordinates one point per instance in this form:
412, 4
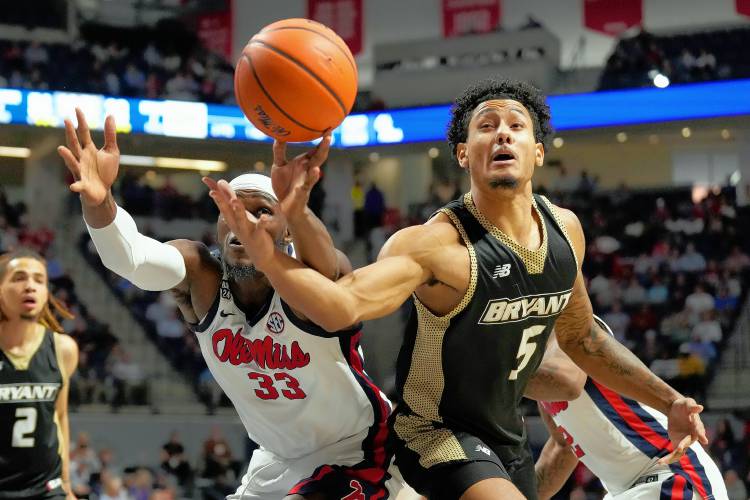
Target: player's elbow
572, 384
339, 316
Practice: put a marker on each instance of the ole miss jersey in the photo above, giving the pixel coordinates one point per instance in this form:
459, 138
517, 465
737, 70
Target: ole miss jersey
620, 440
296, 388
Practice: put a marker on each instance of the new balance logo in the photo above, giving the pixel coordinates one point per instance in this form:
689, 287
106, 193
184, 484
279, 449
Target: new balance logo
483, 449
501, 271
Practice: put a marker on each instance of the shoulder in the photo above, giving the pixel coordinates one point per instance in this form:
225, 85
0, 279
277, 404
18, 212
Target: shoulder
68, 352
574, 229
195, 253
421, 241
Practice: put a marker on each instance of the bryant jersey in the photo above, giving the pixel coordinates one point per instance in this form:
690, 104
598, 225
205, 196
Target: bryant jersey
620, 440
468, 370
296, 387
30, 461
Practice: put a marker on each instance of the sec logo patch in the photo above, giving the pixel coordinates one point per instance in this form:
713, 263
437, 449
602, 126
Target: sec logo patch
275, 323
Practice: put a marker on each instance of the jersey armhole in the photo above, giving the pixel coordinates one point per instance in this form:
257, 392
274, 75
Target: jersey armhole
316, 330
204, 323
469, 294
56, 340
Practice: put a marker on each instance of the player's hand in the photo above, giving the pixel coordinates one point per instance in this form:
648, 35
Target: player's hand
253, 232
292, 180
94, 170
685, 427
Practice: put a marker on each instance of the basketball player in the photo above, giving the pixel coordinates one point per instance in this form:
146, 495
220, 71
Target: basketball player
36, 362
301, 393
490, 272
624, 443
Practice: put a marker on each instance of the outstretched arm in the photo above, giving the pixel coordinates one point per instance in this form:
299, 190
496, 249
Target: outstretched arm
556, 462
293, 180
147, 263
370, 292
557, 378
608, 361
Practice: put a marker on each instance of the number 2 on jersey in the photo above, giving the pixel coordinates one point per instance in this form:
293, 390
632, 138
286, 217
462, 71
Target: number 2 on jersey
526, 348
267, 389
25, 424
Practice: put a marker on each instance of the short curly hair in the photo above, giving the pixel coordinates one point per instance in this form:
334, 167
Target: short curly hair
485, 90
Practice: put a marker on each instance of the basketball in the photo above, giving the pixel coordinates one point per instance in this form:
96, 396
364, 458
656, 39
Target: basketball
296, 79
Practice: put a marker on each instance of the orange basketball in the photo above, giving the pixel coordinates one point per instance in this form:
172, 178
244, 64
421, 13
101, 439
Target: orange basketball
296, 79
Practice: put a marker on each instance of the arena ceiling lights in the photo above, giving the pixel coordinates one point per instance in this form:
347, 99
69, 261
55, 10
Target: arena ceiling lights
198, 120
12, 152
177, 163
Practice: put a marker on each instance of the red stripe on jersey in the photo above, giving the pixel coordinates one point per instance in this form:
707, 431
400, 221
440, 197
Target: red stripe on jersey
378, 444
678, 487
324, 471
647, 433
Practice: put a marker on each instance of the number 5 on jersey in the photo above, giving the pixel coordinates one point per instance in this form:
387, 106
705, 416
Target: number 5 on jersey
526, 348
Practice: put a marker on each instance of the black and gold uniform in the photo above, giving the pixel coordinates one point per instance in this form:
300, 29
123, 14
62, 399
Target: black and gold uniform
461, 376
30, 461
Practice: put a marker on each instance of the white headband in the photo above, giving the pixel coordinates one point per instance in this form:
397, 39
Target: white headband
262, 183
253, 182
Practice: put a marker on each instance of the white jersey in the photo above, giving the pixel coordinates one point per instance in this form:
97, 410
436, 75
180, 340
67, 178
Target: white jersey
296, 388
620, 441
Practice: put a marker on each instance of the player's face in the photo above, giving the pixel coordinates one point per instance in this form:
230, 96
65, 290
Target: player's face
23, 289
501, 151
258, 204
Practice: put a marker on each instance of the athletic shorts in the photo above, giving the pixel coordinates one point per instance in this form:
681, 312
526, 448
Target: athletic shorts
442, 464
338, 471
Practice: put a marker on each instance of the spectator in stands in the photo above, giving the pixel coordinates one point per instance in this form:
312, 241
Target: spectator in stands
112, 488
736, 489
174, 462
737, 261
618, 321
691, 371
699, 301
691, 261
634, 294
708, 329
219, 466
128, 378
171, 331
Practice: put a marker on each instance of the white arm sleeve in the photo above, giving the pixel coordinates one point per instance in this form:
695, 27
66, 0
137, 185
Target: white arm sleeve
145, 262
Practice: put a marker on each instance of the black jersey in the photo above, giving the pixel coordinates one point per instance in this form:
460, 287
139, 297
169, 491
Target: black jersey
30, 461
468, 370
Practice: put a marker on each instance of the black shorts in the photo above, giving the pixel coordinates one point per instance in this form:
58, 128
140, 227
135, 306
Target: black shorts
449, 480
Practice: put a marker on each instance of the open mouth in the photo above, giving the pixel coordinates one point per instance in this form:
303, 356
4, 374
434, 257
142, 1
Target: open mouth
234, 242
29, 302
504, 156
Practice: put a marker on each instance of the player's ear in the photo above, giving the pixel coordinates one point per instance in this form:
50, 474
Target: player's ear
539, 154
462, 155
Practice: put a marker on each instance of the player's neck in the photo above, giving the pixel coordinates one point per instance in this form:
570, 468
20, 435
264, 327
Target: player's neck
17, 332
510, 211
250, 294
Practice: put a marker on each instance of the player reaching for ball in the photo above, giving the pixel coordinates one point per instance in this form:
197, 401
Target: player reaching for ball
301, 392
491, 274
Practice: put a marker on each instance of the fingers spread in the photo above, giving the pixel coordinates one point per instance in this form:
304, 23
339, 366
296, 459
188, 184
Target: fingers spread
70, 161
72, 139
84, 134
110, 135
